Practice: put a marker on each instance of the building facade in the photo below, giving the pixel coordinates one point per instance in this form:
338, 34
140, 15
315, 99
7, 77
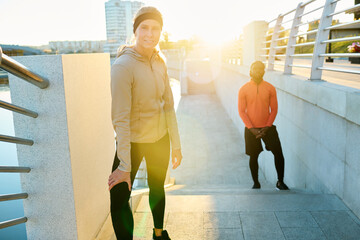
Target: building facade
61, 47
119, 23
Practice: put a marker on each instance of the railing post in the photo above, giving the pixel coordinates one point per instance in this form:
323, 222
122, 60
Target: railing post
274, 41
290, 50
322, 35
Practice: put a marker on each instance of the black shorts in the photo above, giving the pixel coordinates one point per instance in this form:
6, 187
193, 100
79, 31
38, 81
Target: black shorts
253, 145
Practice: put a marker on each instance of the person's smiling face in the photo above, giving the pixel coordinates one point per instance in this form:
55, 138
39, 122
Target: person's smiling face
148, 34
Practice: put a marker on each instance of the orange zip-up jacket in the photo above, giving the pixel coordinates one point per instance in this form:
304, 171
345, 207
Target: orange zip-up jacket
257, 104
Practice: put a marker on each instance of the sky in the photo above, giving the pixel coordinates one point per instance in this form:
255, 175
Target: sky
37, 22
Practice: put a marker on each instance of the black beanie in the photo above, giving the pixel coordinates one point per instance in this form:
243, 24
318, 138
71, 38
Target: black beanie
145, 13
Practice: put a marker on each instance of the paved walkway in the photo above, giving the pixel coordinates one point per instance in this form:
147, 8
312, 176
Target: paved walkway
212, 198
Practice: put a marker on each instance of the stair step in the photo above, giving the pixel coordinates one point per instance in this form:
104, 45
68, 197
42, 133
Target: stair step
257, 201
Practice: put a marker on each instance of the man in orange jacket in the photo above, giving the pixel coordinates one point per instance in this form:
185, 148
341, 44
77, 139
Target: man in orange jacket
257, 104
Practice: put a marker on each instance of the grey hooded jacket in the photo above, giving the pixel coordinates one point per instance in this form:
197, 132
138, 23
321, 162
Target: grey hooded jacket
142, 108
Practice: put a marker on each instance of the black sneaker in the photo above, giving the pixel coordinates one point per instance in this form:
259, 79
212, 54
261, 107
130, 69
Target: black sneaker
281, 186
256, 186
164, 235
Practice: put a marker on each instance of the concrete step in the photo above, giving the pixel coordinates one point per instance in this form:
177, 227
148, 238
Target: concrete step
225, 200
231, 212
242, 189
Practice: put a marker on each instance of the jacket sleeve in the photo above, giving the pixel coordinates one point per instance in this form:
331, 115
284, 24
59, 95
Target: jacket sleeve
171, 115
242, 106
121, 83
273, 107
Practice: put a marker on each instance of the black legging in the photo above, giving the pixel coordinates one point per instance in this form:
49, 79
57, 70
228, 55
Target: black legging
279, 165
157, 160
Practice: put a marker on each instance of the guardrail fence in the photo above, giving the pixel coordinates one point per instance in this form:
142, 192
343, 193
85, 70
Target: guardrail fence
304, 32
21, 71
280, 49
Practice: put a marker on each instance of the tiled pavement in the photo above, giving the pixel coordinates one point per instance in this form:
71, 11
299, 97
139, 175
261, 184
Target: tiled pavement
212, 198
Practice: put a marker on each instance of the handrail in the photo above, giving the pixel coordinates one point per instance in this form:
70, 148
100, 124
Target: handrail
340, 55
303, 44
344, 10
283, 38
314, 10
4, 138
301, 24
300, 66
18, 109
341, 39
343, 25
19, 70
302, 55
16, 196
272, 20
290, 20
307, 3
283, 15
339, 70
13, 222
309, 32
284, 30
14, 169
322, 33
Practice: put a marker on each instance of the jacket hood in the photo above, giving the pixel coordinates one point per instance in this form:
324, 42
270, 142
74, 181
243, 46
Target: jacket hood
126, 50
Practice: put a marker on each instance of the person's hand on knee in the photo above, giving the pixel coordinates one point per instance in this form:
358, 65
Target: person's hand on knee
119, 176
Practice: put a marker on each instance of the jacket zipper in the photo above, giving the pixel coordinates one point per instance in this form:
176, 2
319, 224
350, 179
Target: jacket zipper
157, 94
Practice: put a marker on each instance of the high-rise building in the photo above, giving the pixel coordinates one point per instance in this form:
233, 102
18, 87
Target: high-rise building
119, 19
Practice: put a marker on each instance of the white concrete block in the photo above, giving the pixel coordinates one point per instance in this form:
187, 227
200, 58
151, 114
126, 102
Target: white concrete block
353, 146
308, 90
295, 170
330, 170
332, 133
331, 98
353, 107
73, 146
351, 189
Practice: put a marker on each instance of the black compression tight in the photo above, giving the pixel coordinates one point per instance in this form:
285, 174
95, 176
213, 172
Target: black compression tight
279, 165
157, 160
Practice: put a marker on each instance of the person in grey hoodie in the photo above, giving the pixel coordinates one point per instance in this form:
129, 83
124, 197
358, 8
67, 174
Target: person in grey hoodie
144, 120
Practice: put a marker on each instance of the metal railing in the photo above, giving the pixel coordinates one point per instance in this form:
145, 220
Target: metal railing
17, 69
320, 43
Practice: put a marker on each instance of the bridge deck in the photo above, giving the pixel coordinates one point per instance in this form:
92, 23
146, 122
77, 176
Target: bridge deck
212, 198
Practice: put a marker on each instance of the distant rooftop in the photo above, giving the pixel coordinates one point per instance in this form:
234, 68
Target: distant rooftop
26, 50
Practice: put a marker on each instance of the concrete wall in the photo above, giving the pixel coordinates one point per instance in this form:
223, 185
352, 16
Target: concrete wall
74, 147
319, 127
